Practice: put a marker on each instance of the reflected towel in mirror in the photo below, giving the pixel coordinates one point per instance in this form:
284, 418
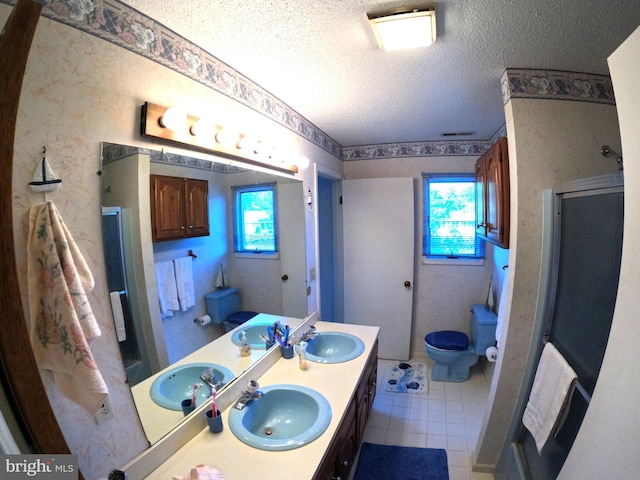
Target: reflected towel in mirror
167, 291
184, 282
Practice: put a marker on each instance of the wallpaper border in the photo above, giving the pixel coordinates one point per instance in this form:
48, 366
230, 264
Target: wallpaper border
124, 26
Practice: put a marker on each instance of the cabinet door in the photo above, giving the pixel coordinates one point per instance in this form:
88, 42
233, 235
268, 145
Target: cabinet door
196, 207
497, 194
338, 460
366, 393
348, 441
481, 217
167, 217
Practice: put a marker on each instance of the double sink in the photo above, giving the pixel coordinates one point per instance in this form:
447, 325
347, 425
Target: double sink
286, 416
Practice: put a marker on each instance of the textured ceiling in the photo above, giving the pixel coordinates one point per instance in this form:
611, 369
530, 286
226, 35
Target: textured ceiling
320, 57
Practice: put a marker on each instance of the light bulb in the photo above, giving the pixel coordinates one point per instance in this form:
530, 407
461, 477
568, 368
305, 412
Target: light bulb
303, 162
174, 118
203, 128
227, 138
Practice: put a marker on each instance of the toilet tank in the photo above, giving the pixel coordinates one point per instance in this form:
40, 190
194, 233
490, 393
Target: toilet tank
222, 303
483, 328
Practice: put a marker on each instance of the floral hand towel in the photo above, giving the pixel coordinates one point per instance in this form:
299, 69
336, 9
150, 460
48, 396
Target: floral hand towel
62, 322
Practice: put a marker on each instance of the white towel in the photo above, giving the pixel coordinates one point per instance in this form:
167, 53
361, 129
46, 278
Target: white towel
167, 291
550, 396
118, 316
184, 282
62, 321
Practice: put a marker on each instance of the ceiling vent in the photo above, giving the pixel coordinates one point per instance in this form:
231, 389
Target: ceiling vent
458, 134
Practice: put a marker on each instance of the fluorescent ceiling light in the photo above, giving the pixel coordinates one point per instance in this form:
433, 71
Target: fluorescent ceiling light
406, 27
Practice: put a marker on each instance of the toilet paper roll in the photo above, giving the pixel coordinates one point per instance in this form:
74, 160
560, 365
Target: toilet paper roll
203, 320
492, 354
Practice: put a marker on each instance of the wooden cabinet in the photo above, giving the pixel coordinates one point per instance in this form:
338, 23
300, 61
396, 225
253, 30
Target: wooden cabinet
338, 461
366, 393
339, 458
492, 195
179, 208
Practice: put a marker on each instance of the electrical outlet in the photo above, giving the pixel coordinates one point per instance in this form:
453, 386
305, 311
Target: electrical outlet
104, 413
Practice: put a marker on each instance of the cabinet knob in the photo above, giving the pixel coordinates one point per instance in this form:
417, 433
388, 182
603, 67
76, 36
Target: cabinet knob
190, 226
182, 227
345, 463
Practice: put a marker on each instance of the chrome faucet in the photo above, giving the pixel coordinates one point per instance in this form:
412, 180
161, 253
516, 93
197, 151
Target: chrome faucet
209, 378
309, 334
248, 395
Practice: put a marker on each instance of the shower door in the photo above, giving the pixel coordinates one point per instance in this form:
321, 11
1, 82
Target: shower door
586, 223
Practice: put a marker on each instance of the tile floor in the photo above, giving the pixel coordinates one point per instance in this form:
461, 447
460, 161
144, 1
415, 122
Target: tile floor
448, 416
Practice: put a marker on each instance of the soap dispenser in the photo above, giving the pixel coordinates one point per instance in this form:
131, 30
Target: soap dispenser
245, 347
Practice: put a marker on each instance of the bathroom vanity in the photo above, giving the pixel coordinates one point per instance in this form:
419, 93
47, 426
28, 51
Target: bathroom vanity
349, 388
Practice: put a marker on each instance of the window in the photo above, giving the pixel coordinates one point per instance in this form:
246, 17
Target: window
255, 219
450, 217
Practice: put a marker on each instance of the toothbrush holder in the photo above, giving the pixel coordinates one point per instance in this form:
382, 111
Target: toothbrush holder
286, 351
187, 406
215, 423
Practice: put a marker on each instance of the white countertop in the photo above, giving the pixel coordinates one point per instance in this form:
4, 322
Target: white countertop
238, 461
158, 421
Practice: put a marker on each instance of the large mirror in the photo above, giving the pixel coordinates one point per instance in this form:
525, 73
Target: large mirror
156, 341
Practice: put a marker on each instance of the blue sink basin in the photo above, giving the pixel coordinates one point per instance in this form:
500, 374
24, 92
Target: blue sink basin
253, 335
176, 384
334, 347
286, 417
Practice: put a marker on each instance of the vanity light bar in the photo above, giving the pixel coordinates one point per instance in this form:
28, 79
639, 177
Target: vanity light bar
186, 132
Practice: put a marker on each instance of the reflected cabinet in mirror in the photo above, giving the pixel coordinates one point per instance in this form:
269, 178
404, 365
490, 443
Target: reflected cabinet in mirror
180, 304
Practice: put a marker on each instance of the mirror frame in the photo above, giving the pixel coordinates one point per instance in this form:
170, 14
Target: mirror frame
25, 388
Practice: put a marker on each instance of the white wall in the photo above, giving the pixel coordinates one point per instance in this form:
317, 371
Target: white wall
607, 443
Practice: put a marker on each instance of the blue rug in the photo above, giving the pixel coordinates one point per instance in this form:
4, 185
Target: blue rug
388, 462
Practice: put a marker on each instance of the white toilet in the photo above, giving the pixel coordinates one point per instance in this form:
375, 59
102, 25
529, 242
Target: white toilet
454, 353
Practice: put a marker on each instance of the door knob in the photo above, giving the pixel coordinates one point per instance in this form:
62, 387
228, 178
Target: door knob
285, 277
407, 284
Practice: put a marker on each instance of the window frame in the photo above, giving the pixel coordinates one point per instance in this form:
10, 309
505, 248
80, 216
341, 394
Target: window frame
427, 258
239, 245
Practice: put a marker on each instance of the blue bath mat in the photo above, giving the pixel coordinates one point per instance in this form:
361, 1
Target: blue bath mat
388, 462
405, 377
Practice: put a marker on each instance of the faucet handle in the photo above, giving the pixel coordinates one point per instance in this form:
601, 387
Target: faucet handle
253, 386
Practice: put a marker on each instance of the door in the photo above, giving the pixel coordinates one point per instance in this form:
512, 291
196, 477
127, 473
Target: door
329, 249
378, 229
291, 246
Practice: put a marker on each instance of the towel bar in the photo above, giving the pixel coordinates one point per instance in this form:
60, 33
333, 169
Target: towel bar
578, 386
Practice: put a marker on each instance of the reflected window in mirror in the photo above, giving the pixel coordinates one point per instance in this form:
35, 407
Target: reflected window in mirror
255, 229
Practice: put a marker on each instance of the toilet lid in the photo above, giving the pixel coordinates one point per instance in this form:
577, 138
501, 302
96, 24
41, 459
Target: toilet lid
448, 340
239, 318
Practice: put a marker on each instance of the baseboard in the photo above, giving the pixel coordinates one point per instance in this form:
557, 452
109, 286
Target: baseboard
483, 468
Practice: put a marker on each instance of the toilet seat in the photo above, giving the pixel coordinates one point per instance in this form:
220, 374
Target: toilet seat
241, 317
448, 340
